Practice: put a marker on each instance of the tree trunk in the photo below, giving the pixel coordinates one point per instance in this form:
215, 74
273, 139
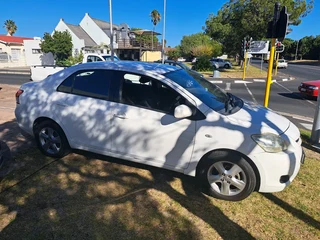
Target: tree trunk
152, 38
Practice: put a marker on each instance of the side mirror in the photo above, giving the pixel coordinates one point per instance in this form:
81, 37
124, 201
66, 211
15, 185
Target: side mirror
182, 111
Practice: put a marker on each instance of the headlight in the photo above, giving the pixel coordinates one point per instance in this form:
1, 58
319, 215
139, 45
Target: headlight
270, 142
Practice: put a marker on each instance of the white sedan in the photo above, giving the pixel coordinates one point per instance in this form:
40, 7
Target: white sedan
161, 116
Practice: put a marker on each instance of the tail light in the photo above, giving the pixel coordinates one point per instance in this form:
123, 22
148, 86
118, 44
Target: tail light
18, 95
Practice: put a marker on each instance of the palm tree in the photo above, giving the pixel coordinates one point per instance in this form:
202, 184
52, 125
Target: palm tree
10, 26
155, 19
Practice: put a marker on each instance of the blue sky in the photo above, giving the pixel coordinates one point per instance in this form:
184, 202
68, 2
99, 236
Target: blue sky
184, 17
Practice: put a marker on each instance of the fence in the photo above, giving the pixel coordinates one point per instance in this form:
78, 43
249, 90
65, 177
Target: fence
15, 59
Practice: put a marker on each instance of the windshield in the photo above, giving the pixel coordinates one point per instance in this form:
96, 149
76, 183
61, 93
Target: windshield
184, 66
208, 93
108, 58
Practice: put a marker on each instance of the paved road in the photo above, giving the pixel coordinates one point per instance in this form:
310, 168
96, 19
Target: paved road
14, 79
284, 96
300, 71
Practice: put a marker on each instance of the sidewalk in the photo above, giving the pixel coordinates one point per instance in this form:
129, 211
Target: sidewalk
15, 70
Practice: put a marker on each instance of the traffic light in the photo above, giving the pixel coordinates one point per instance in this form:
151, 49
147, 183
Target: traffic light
278, 27
282, 24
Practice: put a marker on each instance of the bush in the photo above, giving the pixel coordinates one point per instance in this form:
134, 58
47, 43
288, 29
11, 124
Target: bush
203, 64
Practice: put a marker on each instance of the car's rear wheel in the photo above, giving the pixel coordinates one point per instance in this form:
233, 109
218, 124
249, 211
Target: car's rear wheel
226, 175
51, 139
227, 66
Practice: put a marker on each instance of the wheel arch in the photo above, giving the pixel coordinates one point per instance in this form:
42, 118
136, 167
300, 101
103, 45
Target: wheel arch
42, 119
252, 164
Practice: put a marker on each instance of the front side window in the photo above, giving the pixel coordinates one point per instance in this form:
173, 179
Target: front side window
90, 83
208, 93
146, 92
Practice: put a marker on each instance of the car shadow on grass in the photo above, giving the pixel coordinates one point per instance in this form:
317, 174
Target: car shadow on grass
81, 196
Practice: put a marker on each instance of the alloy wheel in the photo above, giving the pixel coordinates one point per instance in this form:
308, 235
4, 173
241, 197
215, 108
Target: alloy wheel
226, 178
50, 140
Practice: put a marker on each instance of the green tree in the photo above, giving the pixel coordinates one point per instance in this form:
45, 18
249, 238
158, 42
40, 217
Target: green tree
289, 48
189, 43
173, 54
305, 46
155, 19
59, 44
240, 18
10, 26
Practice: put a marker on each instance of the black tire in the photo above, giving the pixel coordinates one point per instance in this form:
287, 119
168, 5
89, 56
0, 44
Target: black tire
62, 147
246, 178
227, 66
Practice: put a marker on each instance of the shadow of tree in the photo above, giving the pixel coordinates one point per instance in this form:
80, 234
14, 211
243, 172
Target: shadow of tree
296, 212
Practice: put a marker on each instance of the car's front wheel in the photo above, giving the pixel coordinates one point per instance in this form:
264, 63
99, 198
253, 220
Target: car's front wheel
226, 175
51, 139
227, 66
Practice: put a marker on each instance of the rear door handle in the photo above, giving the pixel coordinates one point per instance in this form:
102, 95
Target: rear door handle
62, 105
122, 116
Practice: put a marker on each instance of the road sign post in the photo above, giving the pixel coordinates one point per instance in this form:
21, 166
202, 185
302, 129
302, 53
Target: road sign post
315, 134
277, 61
269, 78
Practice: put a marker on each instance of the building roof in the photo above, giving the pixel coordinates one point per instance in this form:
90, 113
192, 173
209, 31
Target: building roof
81, 34
13, 39
104, 25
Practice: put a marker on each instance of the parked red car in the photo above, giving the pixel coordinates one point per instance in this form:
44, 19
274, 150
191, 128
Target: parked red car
309, 88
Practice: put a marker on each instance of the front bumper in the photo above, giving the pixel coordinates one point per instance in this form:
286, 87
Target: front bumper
277, 170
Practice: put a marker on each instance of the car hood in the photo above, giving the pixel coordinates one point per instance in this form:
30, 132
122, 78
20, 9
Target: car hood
313, 83
260, 119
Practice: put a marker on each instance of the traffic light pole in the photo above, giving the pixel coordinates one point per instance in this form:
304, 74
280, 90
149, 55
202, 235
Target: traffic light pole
277, 60
269, 78
245, 66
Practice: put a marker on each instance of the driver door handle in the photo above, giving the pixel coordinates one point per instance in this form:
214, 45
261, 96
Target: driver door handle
121, 116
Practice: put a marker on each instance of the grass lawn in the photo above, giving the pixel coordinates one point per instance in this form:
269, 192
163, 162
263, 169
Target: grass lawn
87, 196
236, 72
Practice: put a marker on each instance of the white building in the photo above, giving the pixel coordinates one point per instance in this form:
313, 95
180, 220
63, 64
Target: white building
93, 36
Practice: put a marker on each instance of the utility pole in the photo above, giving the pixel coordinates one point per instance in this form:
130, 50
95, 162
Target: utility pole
296, 56
111, 31
163, 30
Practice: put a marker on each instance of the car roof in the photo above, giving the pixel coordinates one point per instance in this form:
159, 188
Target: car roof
133, 66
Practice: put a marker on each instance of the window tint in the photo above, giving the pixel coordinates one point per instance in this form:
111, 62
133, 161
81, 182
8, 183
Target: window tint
92, 83
66, 85
150, 93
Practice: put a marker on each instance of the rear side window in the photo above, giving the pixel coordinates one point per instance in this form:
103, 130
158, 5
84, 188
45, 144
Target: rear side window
90, 83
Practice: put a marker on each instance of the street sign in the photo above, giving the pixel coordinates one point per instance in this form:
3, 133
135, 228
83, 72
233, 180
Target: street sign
259, 47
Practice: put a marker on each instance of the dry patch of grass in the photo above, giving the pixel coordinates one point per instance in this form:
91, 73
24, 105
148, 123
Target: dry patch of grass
94, 197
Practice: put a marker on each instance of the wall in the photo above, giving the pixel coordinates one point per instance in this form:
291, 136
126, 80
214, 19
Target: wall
94, 31
34, 56
150, 56
77, 43
11, 58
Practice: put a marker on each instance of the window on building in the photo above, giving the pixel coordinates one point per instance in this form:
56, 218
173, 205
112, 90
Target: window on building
15, 54
36, 51
0, 50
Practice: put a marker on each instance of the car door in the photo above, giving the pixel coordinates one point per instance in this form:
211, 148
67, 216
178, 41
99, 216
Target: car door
83, 109
143, 125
